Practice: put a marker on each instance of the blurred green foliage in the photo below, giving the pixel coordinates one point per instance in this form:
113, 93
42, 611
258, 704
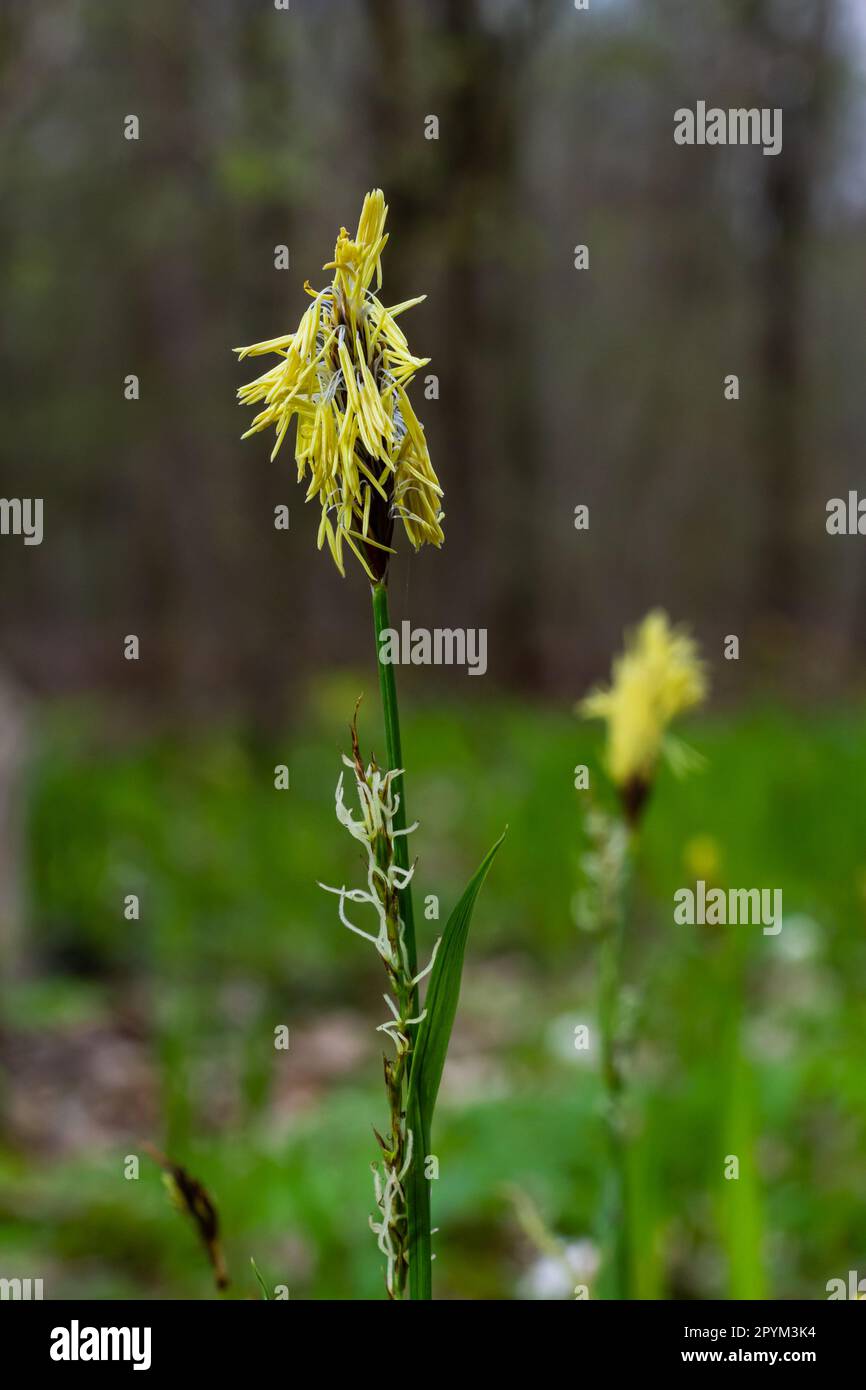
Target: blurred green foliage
749, 1045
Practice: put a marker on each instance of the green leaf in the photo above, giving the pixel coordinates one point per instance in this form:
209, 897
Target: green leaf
418, 1207
443, 992
428, 1063
262, 1285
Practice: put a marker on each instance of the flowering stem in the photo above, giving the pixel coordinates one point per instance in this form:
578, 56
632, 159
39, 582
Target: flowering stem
417, 1188
396, 1155
615, 1212
390, 710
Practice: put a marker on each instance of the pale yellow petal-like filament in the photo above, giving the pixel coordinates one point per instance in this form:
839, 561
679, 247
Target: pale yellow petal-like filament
343, 374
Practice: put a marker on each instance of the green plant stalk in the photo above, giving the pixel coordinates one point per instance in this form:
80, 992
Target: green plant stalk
417, 1185
391, 713
418, 1207
428, 1062
615, 1204
396, 1081
741, 1216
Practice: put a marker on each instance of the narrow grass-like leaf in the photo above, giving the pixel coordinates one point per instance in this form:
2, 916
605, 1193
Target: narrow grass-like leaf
443, 992
428, 1063
261, 1283
418, 1207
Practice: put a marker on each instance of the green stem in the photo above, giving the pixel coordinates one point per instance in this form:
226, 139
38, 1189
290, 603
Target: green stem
391, 712
615, 1212
417, 1186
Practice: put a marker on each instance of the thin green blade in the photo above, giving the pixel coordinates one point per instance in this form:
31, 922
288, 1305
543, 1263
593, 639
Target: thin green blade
428, 1063
261, 1283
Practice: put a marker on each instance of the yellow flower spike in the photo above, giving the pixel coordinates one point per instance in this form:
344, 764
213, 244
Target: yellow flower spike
343, 373
658, 677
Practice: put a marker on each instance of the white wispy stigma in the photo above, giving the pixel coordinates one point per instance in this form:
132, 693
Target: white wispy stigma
603, 868
378, 804
372, 825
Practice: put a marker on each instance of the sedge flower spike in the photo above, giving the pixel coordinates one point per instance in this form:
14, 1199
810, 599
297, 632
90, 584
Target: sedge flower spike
344, 374
375, 830
658, 677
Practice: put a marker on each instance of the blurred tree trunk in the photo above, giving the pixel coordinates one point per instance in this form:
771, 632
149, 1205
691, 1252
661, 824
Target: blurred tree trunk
212, 608
490, 120
182, 581
266, 669
799, 84
488, 422
393, 127
448, 198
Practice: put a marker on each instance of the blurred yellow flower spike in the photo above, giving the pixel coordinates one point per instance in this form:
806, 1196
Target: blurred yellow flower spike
658, 676
344, 374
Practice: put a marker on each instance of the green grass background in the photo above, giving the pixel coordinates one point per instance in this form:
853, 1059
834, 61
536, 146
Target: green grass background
749, 1045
